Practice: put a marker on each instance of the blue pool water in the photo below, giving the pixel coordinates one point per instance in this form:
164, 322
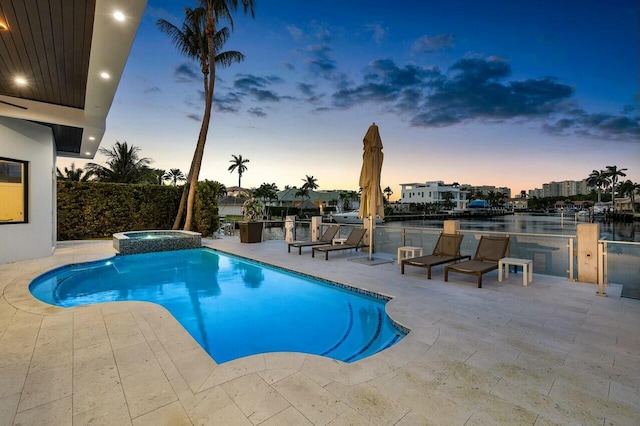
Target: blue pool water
233, 307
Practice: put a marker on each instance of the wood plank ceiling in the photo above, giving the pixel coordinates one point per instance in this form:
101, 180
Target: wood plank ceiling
48, 43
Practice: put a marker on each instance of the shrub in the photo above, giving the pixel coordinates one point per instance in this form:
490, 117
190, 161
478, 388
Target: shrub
206, 219
98, 210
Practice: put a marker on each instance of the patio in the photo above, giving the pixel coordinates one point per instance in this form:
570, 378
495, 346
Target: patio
549, 353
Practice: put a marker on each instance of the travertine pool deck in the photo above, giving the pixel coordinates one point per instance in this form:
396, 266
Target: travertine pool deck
549, 353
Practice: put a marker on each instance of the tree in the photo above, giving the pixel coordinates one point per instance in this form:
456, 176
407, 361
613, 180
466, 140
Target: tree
613, 173
153, 177
598, 179
73, 174
174, 176
628, 188
448, 197
388, 192
302, 193
310, 183
267, 192
238, 163
523, 194
123, 165
200, 40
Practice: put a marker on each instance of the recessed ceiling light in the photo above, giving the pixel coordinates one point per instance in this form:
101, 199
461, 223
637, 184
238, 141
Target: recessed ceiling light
87, 153
119, 16
20, 81
3, 26
105, 75
91, 138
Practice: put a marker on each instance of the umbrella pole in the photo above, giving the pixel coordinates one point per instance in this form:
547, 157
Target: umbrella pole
370, 237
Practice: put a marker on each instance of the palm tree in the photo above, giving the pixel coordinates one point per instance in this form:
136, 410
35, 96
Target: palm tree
388, 192
598, 179
629, 188
239, 164
201, 41
302, 192
310, 183
613, 173
123, 164
523, 194
267, 192
73, 174
174, 176
153, 176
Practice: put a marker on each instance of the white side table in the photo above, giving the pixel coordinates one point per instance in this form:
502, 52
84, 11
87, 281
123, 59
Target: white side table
406, 252
527, 268
337, 241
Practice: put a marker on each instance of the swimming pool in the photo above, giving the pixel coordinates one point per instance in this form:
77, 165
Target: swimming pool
232, 307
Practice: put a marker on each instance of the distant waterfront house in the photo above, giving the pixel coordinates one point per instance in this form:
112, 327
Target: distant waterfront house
433, 192
323, 200
518, 203
56, 105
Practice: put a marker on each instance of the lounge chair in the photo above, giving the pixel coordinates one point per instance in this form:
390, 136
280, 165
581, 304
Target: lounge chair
490, 250
325, 239
447, 250
353, 241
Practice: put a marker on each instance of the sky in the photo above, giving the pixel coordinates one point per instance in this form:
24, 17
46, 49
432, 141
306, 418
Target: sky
506, 93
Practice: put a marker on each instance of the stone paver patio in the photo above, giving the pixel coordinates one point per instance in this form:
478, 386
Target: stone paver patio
549, 353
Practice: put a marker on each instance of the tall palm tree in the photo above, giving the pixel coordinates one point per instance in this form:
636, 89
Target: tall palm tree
174, 176
597, 179
310, 183
238, 163
73, 174
613, 173
200, 40
124, 165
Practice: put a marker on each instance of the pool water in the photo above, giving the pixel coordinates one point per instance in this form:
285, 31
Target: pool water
233, 307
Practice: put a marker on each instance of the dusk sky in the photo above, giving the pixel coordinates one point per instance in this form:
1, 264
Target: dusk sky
502, 93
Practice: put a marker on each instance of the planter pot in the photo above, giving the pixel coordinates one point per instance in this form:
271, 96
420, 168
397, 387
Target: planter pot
250, 232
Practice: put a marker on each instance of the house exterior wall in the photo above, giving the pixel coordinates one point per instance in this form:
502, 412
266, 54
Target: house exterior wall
23, 140
432, 192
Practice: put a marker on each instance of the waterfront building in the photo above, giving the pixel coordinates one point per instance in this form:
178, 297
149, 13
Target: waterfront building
434, 192
478, 191
565, 188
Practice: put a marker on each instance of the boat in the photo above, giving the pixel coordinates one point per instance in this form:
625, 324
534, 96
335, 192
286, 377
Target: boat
350, 218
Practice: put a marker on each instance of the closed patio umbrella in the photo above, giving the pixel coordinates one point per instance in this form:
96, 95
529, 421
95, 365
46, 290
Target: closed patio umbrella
371, 201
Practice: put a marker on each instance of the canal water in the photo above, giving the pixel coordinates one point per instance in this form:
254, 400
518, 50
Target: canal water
556, 224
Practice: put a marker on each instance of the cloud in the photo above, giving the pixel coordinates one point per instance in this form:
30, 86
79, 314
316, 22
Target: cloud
475, 92
377, 31
186, 73
319, 61
596, 126
195, 117
384, 81
229, 102
426, 44
257, 112
295, 32
257, 87
152, 89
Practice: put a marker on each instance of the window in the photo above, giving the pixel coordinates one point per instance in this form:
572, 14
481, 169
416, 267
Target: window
13, 191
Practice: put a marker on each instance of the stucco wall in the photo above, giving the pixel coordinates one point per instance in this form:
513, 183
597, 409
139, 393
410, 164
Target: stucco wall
23, 140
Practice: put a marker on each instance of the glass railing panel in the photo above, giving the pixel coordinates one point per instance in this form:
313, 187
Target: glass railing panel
623, 266
550, 254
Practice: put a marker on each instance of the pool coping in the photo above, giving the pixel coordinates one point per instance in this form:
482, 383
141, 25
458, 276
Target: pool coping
195, 365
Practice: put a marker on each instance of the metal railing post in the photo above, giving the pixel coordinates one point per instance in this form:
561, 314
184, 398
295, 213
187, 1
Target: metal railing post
571, 255
601, 268
402, 236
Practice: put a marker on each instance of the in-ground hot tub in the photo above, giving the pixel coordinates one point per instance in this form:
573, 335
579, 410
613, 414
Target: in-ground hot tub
148, 241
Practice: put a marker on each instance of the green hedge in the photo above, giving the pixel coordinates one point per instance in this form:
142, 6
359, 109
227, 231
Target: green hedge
98, 210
